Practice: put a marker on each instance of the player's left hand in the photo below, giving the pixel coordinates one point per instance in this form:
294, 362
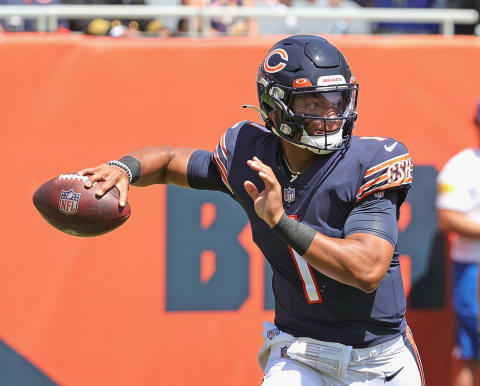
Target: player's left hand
268, 202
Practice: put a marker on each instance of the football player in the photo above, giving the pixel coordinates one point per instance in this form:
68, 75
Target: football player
458, 209
323, 207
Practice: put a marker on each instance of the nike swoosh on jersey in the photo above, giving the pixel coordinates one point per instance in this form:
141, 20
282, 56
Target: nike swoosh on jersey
391, 147
388, 378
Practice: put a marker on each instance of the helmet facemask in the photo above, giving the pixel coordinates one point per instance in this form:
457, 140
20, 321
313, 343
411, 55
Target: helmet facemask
316, 118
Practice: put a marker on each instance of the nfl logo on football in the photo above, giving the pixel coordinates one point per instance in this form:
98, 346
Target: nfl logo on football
289, 194
68, 203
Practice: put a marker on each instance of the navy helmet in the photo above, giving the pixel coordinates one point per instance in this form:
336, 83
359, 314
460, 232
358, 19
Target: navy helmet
299, 73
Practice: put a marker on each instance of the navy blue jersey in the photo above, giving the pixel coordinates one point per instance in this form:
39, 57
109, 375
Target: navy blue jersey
308, 303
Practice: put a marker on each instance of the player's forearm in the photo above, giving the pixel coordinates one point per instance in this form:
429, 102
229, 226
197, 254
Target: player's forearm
361, 260
454, 221
162, 165
352, 261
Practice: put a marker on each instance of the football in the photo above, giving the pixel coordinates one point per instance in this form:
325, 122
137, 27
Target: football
68, 206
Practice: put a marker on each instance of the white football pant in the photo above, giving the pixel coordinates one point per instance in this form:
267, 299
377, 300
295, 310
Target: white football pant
392, 363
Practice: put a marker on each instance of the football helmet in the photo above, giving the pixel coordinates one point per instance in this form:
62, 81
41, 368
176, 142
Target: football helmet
307, 94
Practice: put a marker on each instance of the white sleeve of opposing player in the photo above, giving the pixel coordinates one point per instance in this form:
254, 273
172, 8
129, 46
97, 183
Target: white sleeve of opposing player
453, 184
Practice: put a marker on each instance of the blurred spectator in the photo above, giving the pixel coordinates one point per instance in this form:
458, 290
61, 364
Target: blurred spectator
293, 25
405, 28
115, 27
225, 25
18, 23
229, 25
170, 22
458, 204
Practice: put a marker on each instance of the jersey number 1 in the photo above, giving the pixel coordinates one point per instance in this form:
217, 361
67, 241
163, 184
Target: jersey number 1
310, 286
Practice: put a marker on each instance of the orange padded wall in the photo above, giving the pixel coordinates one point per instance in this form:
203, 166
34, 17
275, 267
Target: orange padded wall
92, 311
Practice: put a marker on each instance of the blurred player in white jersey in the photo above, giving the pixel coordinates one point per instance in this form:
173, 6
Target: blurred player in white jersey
458, 204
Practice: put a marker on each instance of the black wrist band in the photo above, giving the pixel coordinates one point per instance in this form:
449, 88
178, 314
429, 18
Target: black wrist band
134, 165
299, 236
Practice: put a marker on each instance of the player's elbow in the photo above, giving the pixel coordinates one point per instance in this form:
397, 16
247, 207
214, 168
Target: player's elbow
369, 261
368, 286
369, 280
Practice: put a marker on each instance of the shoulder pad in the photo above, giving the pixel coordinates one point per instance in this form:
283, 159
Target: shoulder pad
225, 148
387, 164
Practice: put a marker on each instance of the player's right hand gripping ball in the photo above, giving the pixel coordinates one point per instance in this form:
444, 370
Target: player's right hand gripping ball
68, 206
